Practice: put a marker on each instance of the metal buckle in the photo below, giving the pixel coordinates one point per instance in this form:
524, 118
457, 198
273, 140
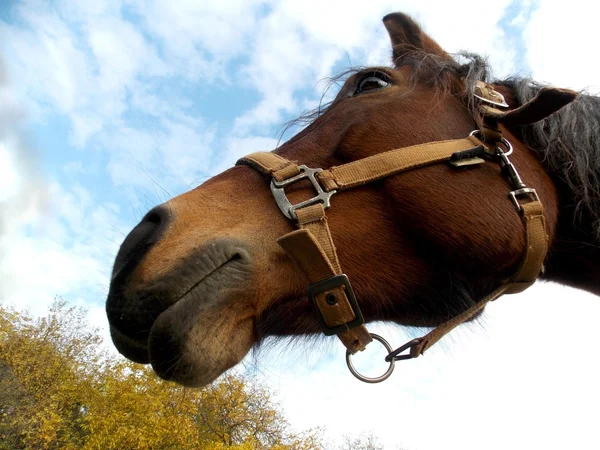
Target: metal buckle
509, 148
287, 208
396, 354
332, 283
523, 192
497, 99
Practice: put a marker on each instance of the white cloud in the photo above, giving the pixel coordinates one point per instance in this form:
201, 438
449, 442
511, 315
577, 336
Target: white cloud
10, 180
520, 379
190, 29
295, 47
522, 382
22, 193
85, 77
52, 242
561, 44
234, 148
65, 249
168, 157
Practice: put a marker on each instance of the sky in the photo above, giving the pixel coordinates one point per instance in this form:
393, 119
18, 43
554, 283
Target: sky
108, 108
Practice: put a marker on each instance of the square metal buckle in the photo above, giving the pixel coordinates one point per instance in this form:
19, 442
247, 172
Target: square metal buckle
287, 208
524, 192
331, 283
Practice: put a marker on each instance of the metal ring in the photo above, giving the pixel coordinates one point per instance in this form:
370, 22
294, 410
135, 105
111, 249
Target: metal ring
505, 142
378, 379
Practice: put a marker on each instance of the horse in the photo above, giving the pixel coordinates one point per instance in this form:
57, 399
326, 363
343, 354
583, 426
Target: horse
205, 277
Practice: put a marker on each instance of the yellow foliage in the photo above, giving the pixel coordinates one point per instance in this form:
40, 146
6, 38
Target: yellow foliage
59, 390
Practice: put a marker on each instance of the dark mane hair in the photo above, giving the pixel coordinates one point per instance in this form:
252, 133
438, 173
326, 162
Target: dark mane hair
568, 142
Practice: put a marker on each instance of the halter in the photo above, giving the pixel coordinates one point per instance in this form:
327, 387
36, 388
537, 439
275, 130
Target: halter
312, 248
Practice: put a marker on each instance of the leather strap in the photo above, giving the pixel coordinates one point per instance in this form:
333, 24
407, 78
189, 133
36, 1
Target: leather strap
423, 343
271, 164
392, 162
313, 249
536, 245
312, 246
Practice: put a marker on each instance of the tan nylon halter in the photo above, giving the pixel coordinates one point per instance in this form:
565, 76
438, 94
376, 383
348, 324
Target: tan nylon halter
312, 247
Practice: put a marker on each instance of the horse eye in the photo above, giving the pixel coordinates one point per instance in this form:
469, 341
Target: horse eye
371, 83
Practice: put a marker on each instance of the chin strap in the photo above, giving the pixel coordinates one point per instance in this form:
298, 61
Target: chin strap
536, 247
312, 247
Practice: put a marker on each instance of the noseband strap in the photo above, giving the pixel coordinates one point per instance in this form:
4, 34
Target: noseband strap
312, 247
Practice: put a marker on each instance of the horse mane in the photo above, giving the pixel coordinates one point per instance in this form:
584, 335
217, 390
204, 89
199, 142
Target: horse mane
567, 143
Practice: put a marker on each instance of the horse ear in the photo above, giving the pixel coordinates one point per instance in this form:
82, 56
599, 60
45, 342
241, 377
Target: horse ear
407, 36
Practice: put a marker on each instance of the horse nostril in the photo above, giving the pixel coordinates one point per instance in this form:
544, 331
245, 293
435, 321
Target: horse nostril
140, 239
155, 215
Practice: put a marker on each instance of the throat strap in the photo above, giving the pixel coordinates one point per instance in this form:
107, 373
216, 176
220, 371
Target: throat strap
420, 345
536, 246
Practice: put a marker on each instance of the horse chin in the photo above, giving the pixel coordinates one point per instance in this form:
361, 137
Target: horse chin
193, 341
193, 323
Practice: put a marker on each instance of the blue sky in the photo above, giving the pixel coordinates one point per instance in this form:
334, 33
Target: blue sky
110, 107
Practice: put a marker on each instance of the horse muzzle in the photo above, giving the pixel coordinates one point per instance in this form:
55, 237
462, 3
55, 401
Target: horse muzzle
157, 322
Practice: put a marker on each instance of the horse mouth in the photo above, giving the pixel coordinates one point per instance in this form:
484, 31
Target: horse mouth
176, 329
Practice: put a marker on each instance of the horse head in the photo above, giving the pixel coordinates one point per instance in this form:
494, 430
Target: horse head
201, 279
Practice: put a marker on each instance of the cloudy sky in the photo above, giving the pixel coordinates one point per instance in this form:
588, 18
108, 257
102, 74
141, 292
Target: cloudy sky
110, 107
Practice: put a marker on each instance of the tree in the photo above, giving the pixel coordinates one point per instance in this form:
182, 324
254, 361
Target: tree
59, 389
42, 384
366, 442
234, 411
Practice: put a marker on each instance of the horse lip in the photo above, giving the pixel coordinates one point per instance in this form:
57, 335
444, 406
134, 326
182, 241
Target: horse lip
235, 257
177, 326
211, 258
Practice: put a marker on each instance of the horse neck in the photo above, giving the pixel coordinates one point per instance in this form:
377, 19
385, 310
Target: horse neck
574, 258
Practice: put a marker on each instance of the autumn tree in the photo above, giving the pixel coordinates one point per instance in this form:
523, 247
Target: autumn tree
363, 442
60, 389
46, 365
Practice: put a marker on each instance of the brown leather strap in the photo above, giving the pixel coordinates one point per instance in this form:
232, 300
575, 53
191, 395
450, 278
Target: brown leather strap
313, 219
536, 246
272, 164
441, 330
391, 162
313, 250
